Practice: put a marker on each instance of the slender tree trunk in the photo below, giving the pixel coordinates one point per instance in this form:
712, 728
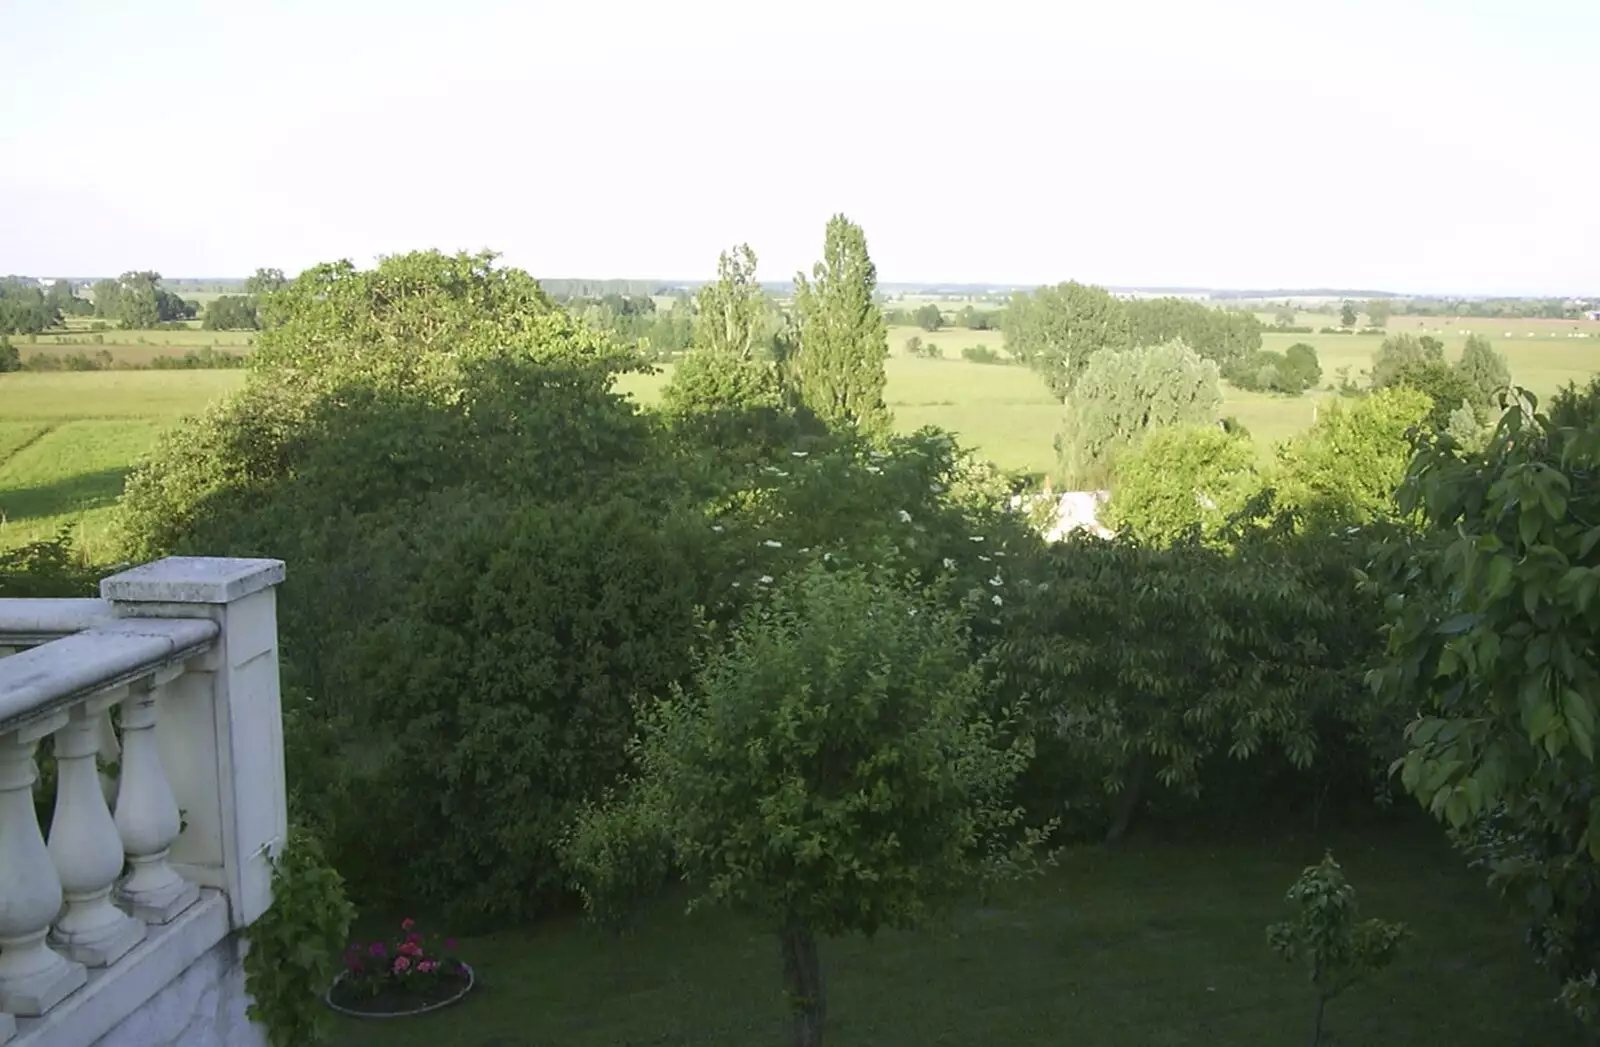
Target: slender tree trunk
802, 983
1128, 802
1316, 1026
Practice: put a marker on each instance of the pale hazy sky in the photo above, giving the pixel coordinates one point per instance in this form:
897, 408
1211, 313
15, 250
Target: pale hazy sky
1413, 145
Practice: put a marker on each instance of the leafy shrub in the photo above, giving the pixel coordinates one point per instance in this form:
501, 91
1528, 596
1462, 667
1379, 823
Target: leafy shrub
51, 567
510, 670
981, 354
1338, 949
1181, 479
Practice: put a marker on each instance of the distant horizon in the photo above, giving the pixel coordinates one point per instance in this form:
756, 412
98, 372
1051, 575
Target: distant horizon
958, 286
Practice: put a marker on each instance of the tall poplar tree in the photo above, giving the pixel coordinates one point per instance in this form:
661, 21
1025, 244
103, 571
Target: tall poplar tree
843, 340
732, 312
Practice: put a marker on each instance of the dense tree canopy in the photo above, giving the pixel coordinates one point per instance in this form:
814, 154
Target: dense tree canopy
843, 340
1180, 479
1122, 394
1058, 330
1223, 335
1348, 464
24, 307
230, 312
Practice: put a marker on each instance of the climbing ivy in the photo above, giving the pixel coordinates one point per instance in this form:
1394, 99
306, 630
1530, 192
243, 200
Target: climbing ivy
294, 947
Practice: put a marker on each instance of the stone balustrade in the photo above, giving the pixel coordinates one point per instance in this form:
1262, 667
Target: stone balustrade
158, 707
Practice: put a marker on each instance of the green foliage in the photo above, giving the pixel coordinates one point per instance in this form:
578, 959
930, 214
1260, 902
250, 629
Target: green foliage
1347, 315
230, 312
1179, 479
1292, 371
1401, 352
981, 354
843, 341
980, 319
1378, 312
391, 417
10, 359
1348, 464
538, 627
1122, 394
1227, 336
294, 946
1484, 370
1058, 330
48, 568
25, 308
731, 315
1149, 665
1494, 640
832, 771
1339, 949
928, 317
918, 349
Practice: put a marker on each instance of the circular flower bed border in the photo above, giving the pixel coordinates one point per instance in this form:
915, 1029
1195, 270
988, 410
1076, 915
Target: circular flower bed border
327, 998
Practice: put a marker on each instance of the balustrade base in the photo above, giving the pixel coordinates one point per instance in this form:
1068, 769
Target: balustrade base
8, 1027
160, 906
103, 946
37, 993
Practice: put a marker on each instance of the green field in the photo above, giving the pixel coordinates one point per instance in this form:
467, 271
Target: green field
68, 439
1161, 944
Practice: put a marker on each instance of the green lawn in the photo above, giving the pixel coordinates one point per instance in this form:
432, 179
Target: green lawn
1159, 945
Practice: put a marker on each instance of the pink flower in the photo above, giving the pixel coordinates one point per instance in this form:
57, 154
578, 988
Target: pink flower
426, 965
378, 949
411, 949
407, 923
402, 962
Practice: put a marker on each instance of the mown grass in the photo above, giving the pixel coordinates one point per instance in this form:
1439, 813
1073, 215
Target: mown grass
1161, 944
69, 440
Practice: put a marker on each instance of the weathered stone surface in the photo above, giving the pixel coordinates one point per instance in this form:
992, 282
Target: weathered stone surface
203, 1007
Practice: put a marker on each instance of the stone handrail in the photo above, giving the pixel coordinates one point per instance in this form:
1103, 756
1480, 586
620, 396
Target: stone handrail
161, 706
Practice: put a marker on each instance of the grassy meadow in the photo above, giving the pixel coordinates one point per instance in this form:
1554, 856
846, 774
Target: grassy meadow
68, 439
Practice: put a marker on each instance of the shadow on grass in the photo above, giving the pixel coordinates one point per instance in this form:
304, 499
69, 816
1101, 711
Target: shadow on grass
72, 494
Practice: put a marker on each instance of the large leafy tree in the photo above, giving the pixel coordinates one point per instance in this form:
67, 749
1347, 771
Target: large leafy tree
831, 771
1058, 330
1347, 465
1400, 352
1148, 664
1224, 335
1495, 641
732, 312
1122, 394
428, 442
1179, 479
843, 340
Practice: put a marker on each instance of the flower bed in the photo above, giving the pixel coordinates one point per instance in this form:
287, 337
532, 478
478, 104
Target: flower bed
408, 975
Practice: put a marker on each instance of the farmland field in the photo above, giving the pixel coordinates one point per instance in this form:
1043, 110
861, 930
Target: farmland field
67, 440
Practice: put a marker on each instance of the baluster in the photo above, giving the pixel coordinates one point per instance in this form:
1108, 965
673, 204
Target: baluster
86, 847
147, 815
33, 976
